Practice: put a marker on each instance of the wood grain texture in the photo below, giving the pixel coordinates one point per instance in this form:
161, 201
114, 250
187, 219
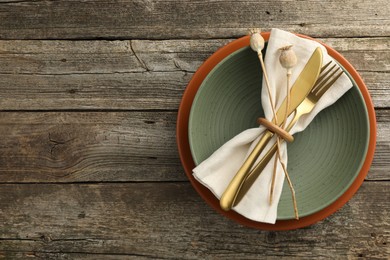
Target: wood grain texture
139, 74
89, 146
111, 147
89, 93
67, 256
152, 19
167, 220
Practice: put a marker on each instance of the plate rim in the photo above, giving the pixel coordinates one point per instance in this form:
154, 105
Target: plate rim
188, 163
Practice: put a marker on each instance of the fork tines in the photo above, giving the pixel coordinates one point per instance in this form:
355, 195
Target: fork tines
326, 79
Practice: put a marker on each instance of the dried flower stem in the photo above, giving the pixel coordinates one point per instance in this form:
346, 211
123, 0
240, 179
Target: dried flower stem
278, 140
277, 158
288, 60
292, 191
276, 119
267, 85
284, 167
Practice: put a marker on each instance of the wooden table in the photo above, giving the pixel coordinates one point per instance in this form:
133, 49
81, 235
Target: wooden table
89, 96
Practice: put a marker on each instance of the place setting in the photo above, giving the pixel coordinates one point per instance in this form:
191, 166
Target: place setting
276, 130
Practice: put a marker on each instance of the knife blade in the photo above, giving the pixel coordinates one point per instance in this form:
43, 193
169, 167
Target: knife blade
299, 91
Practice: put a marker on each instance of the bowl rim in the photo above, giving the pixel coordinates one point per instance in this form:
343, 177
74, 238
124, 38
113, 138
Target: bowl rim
188, 163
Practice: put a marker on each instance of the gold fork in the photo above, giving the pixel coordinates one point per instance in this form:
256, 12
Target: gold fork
326, 79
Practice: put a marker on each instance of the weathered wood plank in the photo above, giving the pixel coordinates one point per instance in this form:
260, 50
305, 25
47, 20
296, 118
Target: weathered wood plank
67, 57
111, 147
126, 91
138, 74
380, 169
168, 220
88, 146
188, 19
68, 256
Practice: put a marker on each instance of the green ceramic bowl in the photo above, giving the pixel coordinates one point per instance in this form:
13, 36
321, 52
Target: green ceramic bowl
323, 161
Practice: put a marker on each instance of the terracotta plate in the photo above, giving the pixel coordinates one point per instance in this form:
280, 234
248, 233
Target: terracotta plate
201, 149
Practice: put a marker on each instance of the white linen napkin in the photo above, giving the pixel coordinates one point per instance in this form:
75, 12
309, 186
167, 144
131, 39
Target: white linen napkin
217, 171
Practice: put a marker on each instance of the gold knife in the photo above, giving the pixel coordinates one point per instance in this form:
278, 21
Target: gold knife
299, 91
254, 174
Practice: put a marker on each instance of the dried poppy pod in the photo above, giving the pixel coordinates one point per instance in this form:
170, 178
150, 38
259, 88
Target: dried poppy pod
287, 58
256, 40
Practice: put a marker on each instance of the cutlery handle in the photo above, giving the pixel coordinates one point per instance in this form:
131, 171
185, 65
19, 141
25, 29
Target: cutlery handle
230, 194
254, 174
